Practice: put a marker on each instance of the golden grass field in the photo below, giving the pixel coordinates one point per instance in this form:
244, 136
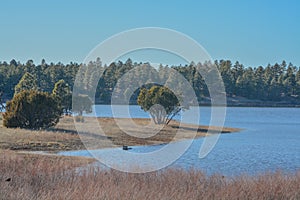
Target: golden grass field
43, 177
27, 175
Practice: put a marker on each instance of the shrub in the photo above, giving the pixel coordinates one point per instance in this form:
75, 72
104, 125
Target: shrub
79, 119
32, 110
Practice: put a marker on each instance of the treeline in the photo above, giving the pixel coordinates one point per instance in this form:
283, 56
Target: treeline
46, 75
271, 83
278, 82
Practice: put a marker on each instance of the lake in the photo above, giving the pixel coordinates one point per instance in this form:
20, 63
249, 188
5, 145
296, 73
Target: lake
269, 141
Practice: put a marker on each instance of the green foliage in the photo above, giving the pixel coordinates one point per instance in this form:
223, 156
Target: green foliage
31, 109
160, 102
274, 82
1, 101
63, 95
82, 103
27, 82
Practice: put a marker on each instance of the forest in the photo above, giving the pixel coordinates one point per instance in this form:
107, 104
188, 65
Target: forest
279, 82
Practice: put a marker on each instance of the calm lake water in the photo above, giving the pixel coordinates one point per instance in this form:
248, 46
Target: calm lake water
269, 141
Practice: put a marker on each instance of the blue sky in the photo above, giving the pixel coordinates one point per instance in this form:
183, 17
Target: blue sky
253, 32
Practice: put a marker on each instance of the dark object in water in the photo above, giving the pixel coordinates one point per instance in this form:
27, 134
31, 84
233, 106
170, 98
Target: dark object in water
126, 148
8, 180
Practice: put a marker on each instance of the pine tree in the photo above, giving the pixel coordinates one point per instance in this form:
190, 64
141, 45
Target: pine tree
31, 109
27, 82
63, 94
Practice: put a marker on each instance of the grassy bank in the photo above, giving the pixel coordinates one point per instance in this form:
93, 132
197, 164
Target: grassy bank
64, 136
35, 176
43, 177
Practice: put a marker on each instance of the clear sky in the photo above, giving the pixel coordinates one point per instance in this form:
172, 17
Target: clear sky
254, 32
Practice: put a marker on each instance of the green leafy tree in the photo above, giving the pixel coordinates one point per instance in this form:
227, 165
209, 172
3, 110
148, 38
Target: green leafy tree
32, 110
63, 95
160, 102
27, 82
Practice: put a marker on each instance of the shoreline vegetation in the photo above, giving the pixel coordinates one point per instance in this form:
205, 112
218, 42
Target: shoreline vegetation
27, 174
24, 176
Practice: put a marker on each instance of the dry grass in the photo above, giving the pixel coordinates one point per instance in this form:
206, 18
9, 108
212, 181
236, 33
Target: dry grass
33, 176
44, 177
50, 140
64, 136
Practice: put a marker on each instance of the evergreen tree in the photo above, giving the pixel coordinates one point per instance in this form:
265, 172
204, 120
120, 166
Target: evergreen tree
1, 102
31, 109
270, 83
81, 103
27, 82
63, 94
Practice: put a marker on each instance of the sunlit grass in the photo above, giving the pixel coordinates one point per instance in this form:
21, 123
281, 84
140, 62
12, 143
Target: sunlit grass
64, 135
44, 177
